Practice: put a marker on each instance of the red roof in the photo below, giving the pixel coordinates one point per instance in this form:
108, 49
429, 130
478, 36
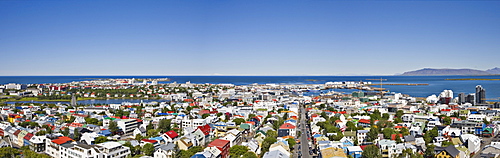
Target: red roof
17, 132
149, 141
393, 136
287, 126
205, 129
220, 143
250, 122
364, 121
62, 140
172, 134
28, 136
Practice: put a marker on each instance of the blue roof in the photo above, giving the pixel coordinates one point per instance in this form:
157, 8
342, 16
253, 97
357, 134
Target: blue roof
105, 132
198, 156
317, 135
157, 138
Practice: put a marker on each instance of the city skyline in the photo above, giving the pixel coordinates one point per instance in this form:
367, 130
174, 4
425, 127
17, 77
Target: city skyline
271, 38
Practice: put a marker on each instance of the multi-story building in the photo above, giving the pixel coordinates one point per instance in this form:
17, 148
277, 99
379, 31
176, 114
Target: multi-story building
480, 95
128, 125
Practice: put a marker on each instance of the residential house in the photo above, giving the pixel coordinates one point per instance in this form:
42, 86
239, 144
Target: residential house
354, 151
446, 152
222, 145
165, 151
387, 147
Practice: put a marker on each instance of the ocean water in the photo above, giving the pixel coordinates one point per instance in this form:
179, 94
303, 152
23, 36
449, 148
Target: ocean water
436, 83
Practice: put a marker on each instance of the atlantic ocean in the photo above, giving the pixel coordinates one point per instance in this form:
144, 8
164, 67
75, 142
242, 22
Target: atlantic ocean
436, 84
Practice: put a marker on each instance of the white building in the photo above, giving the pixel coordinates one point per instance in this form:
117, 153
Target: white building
128, 125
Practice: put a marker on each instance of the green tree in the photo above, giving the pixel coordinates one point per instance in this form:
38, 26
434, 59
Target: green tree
237, 150
113, 127
399, 113
433, 132
486, 121
250, 155
8, 152
405, 131
76, 134
388, 132
371, 151
100, 139
429, 152
447, 120
31, 154
152, 133
272, 134
372, 134
385, 116
148, 149
268, 141
238, 121
41, 133
291, 143
132, 148
204, 116
165, 125
446, 143
351, 126
65, 132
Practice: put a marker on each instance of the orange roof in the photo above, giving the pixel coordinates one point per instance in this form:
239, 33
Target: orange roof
62, 140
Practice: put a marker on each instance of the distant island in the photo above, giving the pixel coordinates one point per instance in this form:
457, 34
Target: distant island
446, 72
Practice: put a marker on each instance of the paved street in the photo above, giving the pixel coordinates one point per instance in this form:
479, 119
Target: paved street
304, 147
486, 141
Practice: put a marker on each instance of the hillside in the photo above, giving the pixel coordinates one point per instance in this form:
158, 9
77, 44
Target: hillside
445, 72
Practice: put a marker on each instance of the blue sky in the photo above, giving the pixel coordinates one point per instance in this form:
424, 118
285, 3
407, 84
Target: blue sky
246, 37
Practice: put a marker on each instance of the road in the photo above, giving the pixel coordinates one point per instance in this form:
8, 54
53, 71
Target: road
484, 142
304, 147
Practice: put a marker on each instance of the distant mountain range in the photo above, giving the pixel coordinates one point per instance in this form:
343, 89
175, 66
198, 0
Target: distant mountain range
444, 72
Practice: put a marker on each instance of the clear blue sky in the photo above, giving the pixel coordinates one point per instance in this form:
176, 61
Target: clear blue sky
199, 37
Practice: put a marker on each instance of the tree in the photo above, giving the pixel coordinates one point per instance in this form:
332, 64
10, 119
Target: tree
152, 133
204, 116
31, 154
148, 149
371, 151
272, 134
291, 142
266, 144
388, 132
113, 127
429, 152
447, 120
165, 125
237, 150
350, 126
250, 155
41, 133
485, 121
65, 132
399, 113
8, 152
238, 121
446, 143
76, 134
405, 131
433, 132
372, 134
100, 139
385, 116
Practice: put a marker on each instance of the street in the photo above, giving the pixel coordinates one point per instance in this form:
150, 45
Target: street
303, 152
